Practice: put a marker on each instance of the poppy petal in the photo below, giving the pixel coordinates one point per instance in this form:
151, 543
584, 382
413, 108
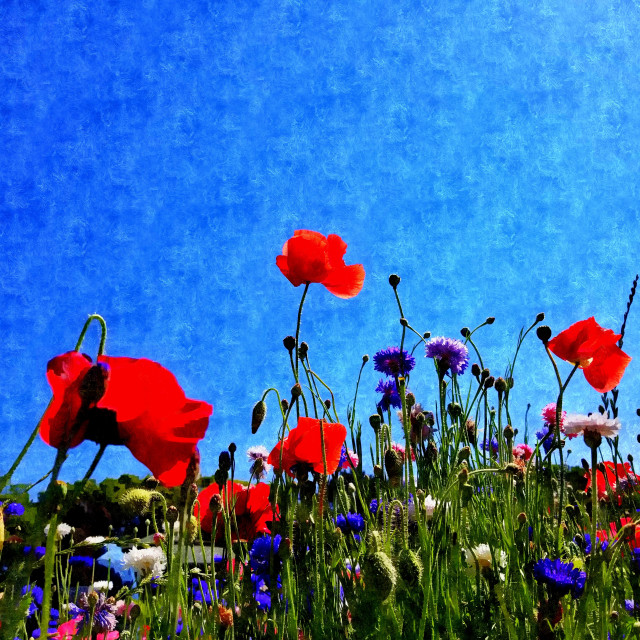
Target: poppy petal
336, 248
566, 344
307, 258
607, 368
282, 262
345, 282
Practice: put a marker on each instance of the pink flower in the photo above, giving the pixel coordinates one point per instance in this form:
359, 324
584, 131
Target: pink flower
549, 415
398, 448
158, 539
523, 451
350, 456
68, 629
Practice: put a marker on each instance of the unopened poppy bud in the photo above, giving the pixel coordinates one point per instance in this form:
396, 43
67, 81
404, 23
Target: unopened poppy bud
379, 574
539, 317
172, 514
327, 403
220, 477
411, 399
544, 333
289, 343
522, 517
454, 410
393, 463
490, 320
224, 461
377, 471
284, 403
404, 322
463, 454
215, 504
136, 502
508, 433
258, 415
630, 458
365, 358
232, 448
463, 475
500, 385
394, 280
488, 383
93, 599
151, 483
296, 391
375, 422
409, 568
94, 384
465, 332
484, 374
475, 369
303, 350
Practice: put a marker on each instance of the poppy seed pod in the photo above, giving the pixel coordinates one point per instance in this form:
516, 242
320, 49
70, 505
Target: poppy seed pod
258, 415
490, 320
394, 280
544, 333
379, 574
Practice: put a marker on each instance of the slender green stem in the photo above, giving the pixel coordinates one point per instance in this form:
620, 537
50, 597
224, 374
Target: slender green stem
304, 295
103, 337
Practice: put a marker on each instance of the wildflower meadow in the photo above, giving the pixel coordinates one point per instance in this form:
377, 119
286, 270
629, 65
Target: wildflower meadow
460, 520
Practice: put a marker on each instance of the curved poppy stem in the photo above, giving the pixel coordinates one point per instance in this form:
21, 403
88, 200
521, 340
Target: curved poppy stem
103, 337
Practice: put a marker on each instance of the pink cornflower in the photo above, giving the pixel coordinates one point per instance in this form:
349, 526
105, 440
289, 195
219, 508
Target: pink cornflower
523, 451
398, 448
549, 415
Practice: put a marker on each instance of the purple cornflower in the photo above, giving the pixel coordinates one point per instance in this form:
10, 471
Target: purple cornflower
259, 456
392, 362
390, 395
560, 577
104, 617
449, 354
491, 446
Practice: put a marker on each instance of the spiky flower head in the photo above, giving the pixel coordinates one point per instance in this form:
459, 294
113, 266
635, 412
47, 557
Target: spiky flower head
450, 355
390, 395
393, 362
409, 568
136, 502
379, 574
560, 577
104, 610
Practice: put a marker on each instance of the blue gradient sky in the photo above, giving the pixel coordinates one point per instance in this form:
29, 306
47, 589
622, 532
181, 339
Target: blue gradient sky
156, 155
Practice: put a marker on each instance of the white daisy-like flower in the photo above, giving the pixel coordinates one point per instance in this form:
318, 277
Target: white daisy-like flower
145, 561
575, 424
103, 585
62, 530
94, 540
481, 557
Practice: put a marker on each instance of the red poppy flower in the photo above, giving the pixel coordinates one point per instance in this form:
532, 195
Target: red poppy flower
595, 350
303, 446
252, 509
619, 479
134, 402
311, 257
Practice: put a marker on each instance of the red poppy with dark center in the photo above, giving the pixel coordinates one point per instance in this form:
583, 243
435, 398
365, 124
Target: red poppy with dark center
251, 506
303, 447
134, 402
311, 257
595, 350
619, 479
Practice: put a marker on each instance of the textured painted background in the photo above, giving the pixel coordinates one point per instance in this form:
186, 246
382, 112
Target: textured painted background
156, 155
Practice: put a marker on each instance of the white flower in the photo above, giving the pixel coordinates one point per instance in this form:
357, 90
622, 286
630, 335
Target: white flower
61, 531
93, 540
481, 557
145, 561
103, 585
430, 504
575, 424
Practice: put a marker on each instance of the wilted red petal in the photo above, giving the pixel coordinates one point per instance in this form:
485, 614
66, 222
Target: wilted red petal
607, 368
345, 282
64, 374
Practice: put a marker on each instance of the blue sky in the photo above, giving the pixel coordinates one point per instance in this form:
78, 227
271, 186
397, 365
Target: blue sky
157, 155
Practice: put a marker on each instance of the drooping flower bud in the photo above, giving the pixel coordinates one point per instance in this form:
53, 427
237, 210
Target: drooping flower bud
379, 574
540, 317
258, 415
490, 320
475, 369
393, 465
409, 568
463, 454
172, 514
375, 422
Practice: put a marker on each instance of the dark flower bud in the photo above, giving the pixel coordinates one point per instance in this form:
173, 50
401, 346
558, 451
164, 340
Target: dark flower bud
592, 439
539, 317
232, 448
296, 391
471, 430
215, 504
375, 421
490, 320
614, 615
284, 551
432, 451
500, 385
512, 469
463, 454
394, 280
508, 433
454, 410
377, 471
466, 493
303, 350
220, 477
224, 461
365, 358
94, 384
289, 343
488, 383
426, 335
327, 403
630, 458
172, 514
585, 464
285, 404
409, 568
544, 333
638, 412
134, 611
411, 400
429, 418
475, 369
258, 415
463, 475
510, 383
522, 517
484, 374
465, 332
379, 574
393, 463
404, 322
151, 483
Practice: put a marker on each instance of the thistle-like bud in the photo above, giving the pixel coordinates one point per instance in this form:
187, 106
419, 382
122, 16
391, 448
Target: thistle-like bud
592, 439
409, 568
296, 391
393, 465
463, 455
289, 343
475, 369
463, 476
488, 383
490, 320
454, 410
500, 385
172, 514
93, 598
258, 415
136, 502
508, 433
394, 280
375, 421
191, 529
410, 399
544, 333
303, 349
379, 574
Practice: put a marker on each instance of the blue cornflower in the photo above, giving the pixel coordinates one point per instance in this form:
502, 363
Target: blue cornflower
261, 551
392, 362
449, 354
373, 506
491, 446
203, 594
86, 561
586, 544
390, 395
13, 509
36, 593
630, 606
635, 560
355, 522
561, 578
548, 443
38, 551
